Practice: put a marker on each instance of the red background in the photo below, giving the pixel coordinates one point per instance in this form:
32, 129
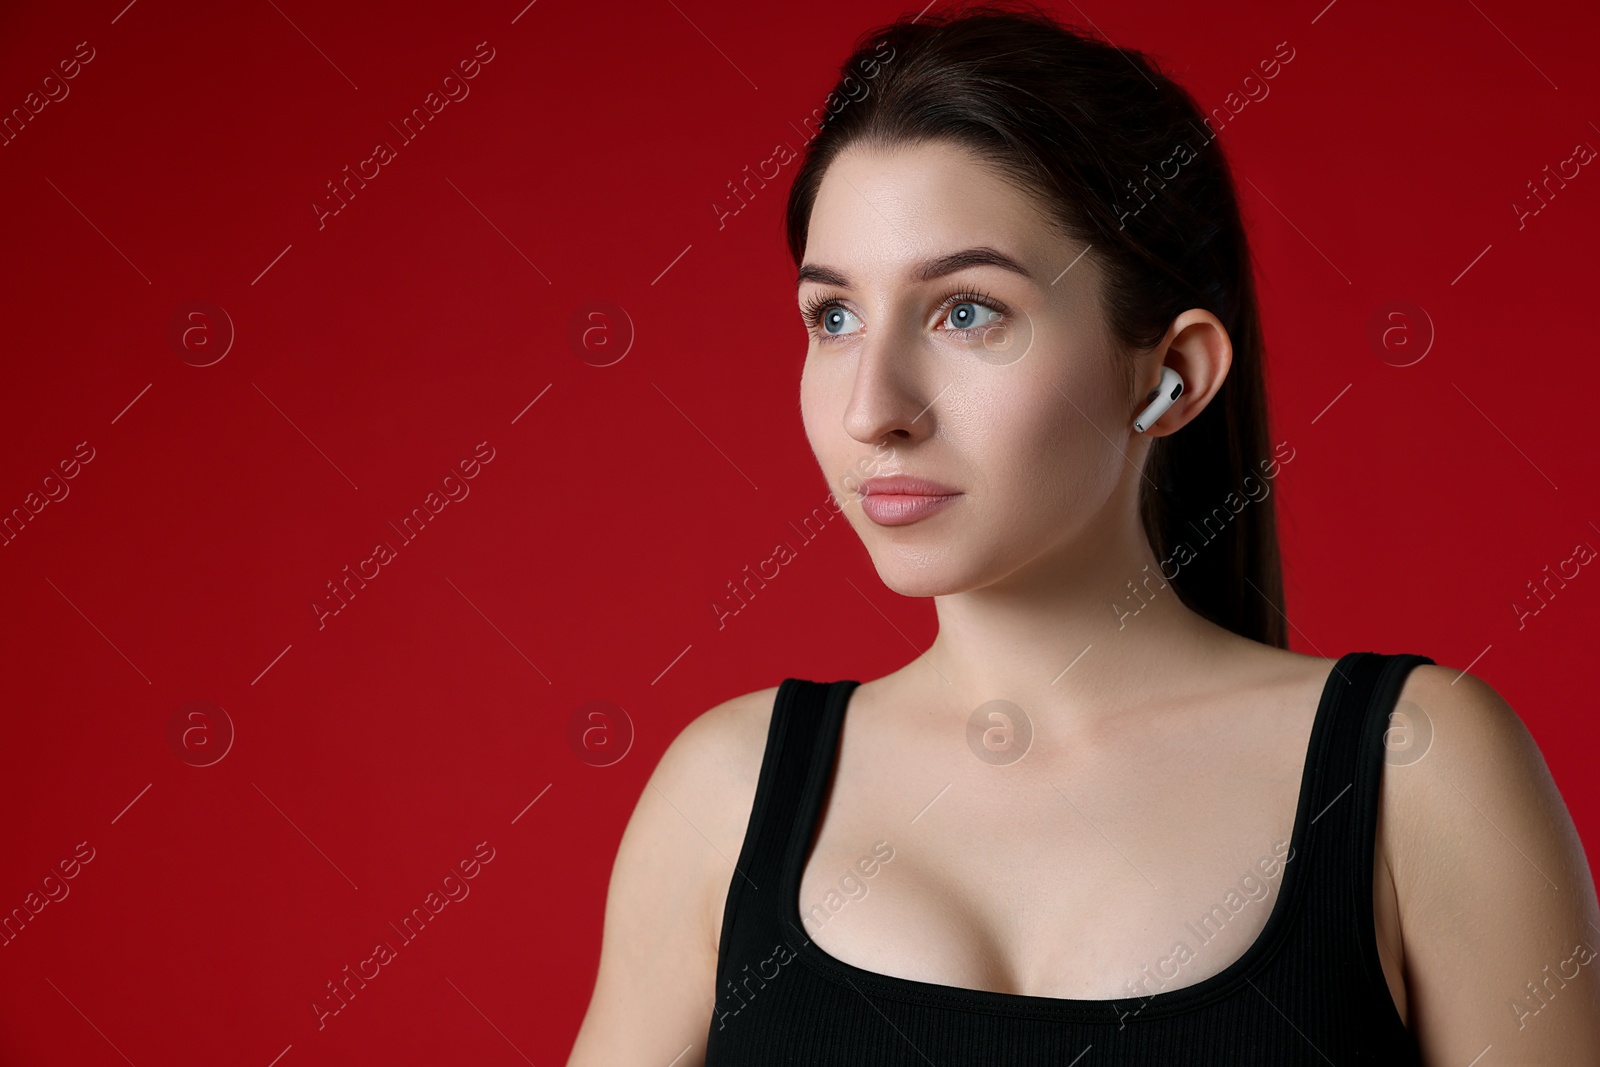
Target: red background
373, 354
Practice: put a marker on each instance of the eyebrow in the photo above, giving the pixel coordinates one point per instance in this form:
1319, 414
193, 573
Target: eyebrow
926, 271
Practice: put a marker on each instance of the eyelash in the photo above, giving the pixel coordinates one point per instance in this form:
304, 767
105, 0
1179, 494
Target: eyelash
811, 313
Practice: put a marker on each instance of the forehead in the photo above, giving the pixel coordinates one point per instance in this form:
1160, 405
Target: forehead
878, 210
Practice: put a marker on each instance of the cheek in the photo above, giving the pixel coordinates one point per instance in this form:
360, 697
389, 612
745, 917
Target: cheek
813, 411
1050, 459
821, 417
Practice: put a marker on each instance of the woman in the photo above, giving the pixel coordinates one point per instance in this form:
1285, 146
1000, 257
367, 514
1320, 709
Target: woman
1107, 817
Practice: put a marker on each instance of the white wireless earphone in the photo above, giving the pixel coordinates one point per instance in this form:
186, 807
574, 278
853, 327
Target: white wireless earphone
1170, 389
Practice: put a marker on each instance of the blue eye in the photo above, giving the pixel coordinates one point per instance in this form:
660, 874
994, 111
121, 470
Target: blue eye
833, 320
826, 318
968, 315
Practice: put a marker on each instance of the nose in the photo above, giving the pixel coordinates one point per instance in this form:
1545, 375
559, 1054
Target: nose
891, 398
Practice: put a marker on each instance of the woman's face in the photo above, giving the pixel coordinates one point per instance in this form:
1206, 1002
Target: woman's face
1002, 386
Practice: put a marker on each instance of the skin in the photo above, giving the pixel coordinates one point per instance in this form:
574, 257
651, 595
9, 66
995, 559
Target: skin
1166, 753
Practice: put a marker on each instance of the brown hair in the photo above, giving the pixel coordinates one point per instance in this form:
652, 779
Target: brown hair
1091, 131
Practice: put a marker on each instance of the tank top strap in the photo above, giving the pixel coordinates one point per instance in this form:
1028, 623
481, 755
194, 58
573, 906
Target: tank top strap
1348, 757
753, 916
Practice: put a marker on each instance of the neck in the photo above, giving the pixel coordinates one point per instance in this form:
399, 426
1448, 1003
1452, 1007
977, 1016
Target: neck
1086, 632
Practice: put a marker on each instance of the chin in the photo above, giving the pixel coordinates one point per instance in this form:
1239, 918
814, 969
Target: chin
921, 573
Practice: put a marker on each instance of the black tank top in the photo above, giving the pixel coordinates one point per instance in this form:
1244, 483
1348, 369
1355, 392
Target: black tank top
1310, 990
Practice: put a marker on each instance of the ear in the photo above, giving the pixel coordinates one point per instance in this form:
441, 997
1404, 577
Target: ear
1198, 348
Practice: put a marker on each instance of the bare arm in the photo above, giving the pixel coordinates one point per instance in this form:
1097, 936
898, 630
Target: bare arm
1498, 914
655, 988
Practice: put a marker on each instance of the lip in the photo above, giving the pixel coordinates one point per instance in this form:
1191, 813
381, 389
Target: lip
906, 485
900, 499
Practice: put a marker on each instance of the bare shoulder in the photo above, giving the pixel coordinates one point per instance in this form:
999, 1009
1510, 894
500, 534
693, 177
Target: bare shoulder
720, 749
1496, 901
1465, 765
709, 772
1470, 746
708, 775
655, 986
